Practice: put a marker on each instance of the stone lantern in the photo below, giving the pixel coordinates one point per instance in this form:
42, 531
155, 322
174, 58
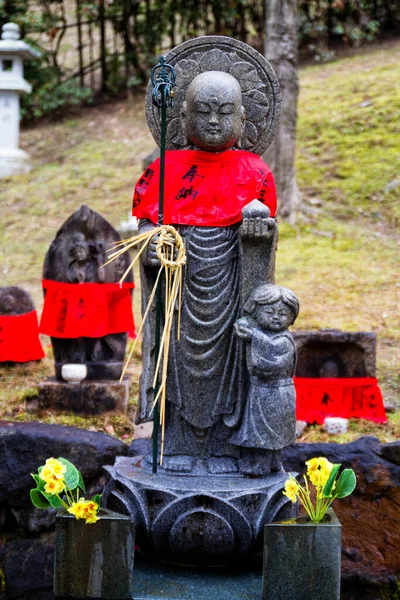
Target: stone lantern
13, 52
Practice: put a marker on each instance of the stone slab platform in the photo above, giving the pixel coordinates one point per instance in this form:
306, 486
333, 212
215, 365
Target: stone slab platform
155, 581
87, 397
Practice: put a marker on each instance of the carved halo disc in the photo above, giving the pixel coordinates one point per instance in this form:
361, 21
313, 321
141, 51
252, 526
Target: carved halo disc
261, 95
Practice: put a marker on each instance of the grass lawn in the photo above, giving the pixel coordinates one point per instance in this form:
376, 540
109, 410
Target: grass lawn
342, 259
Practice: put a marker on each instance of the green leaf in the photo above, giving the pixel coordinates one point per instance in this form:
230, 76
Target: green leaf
81, 483
53, 500
71, 475
39, 482
346, 483
97, 499
327, 491
38, 499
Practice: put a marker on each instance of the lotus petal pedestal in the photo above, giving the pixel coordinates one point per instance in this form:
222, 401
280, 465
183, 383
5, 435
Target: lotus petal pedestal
201, 520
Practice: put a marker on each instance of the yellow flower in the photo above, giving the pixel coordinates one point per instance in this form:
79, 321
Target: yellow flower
85, 509
53, 469
54, 486
291, 489
91, 519
318, 470
77, 508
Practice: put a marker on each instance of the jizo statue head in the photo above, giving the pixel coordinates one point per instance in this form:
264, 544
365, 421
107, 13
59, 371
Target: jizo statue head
213, 115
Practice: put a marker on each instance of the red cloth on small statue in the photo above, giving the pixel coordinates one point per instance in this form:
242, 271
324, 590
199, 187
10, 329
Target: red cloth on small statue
73, 310
203, 188
338, 397
19, 338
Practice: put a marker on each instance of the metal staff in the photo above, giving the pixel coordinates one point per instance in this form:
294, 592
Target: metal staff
163, 79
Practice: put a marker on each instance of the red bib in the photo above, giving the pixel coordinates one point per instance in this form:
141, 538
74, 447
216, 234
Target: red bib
334, 397
19, 338
204, 188
73, 310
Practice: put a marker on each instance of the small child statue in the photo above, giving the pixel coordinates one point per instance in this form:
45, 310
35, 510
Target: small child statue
269, 417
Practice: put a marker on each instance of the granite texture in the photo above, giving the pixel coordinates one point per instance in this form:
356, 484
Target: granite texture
196, 519
259, 85
94, 561
77, 255
334, 353
87, 397
302, 560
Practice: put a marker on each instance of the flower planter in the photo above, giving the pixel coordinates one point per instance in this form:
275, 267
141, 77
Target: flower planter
94, 561
302, 559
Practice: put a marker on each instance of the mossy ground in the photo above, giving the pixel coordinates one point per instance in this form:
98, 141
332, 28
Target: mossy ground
343, 263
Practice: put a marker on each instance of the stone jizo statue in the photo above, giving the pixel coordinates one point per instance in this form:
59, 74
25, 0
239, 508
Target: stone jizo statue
229, 397
208, 184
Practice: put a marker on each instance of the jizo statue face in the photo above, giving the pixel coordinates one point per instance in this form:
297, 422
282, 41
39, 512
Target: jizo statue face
274, 317
213, 113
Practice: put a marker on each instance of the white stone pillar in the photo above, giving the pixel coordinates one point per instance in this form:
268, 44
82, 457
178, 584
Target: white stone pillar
13, 51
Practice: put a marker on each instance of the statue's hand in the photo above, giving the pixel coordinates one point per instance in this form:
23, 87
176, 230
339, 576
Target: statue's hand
150, 258
244, 329
258, 227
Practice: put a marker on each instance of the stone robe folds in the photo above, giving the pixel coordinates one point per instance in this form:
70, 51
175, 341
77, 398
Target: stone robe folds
206, 373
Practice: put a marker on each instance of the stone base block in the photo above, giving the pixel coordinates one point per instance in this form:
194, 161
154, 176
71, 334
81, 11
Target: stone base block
206, 520
13, 162
157, 581
87, 397
99, 371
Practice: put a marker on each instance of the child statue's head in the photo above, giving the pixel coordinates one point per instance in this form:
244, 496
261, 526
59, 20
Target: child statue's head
273, 307
213, 115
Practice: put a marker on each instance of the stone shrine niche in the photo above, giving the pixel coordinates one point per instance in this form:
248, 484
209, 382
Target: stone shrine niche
78, 255
333, 353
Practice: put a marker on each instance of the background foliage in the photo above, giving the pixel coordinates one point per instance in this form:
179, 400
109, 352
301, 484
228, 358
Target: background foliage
93, 46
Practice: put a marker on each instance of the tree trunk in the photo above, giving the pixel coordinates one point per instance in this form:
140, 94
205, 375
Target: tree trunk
281, 47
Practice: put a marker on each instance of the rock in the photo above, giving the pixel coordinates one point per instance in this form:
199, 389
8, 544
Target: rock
26, 446
391, 452
390, 407
369, 517
27, 567
34, 519
139, 447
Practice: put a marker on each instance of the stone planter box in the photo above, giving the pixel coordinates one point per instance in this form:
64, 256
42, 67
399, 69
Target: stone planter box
302, 559
94, 561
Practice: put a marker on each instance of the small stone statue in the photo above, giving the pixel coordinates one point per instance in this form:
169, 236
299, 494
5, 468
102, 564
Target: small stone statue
19, 332
76, 256
269, 419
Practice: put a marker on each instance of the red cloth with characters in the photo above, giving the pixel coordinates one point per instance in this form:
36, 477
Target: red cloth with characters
19, 338
73, 310
335, 397
204, 188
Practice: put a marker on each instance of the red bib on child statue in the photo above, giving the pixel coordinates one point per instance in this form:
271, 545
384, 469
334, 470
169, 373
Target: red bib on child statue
204, 188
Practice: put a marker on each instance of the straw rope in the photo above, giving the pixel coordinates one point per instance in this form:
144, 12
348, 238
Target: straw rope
170, 250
